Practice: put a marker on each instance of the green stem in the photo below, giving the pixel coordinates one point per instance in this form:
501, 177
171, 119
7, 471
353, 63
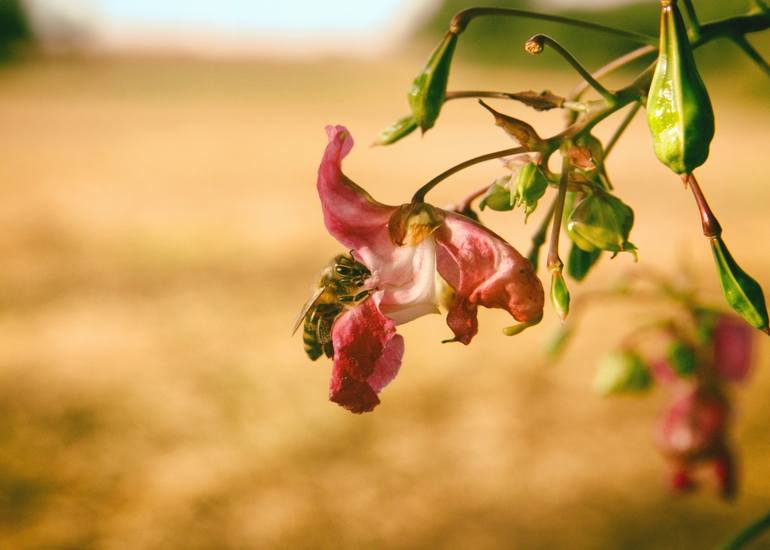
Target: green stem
419, 196
693, 17
539, 40
612, 66
749, 533
554, 261
755, 56
538, 239
622, 128
461, 20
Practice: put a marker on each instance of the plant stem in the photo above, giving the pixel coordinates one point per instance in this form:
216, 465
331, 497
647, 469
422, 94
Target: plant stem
612, 66
749, 533
419, 196
711, 227
538, 239
467, 201
543, 39
461, 20
755, 56
693, 17
554, 261
622, 128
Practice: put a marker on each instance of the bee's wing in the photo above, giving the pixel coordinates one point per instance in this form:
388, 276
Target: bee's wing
306, 308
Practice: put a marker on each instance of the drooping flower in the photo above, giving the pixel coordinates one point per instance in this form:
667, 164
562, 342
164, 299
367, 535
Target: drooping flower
732, 348
693, 431
410, 250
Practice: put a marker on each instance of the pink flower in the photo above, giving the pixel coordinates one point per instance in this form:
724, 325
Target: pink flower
732, 348
407, 248
694, 431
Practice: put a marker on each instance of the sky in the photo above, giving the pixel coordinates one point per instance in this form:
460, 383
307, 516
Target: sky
291, 27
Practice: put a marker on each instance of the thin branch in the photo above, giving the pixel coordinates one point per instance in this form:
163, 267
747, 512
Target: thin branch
693, 17
554, 261
419, 196
622, 128
535, 45
749, 533
753, 54
461, 20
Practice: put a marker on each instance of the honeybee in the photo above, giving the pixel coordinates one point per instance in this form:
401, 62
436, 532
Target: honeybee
340, 287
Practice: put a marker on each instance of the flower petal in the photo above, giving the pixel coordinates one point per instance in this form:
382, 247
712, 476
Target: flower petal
351, 215
367, 356
732, 348
405, 274
484, 270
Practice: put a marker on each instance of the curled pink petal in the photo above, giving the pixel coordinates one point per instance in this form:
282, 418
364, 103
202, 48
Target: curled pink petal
351, 215
484, 270
732, 348
367, 356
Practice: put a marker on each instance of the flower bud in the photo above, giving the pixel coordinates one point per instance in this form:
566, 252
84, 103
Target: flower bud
412, 223
530, 186
498, 197
601, 221
519, 130
622, 371
559, 294
679, 111
681, 358
580, 262
426, 96
399, 129
741, 291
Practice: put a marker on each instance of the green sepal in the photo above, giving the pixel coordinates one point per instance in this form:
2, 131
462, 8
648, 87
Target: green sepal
601, 221
622, 371
682, 358
679, 112
580, 262
498, 196
559, 294
518, 328
530, 186
426, 96
401, 128
742, 292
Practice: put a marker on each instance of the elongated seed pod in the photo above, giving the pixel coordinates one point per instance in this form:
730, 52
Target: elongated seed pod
679, 111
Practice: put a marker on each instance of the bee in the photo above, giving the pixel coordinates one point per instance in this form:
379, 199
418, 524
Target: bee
340, 287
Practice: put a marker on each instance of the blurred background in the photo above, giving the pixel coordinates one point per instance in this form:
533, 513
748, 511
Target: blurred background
160, 230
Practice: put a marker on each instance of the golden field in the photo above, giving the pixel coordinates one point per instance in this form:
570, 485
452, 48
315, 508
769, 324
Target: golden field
159, 232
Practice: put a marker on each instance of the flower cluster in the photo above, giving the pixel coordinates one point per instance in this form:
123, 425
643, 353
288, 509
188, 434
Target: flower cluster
419, 256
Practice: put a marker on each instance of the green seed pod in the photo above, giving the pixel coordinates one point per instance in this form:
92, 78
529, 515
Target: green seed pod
426, 96
559, 294
401, 128
580, 262
682, 358
742, 292
530, 187
679, 111
498, 196
601, 221
622, 371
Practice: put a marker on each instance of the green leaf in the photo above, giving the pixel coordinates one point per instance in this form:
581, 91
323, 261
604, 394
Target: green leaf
401, 128
426, 96
742, 292
580, 262
622, 372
